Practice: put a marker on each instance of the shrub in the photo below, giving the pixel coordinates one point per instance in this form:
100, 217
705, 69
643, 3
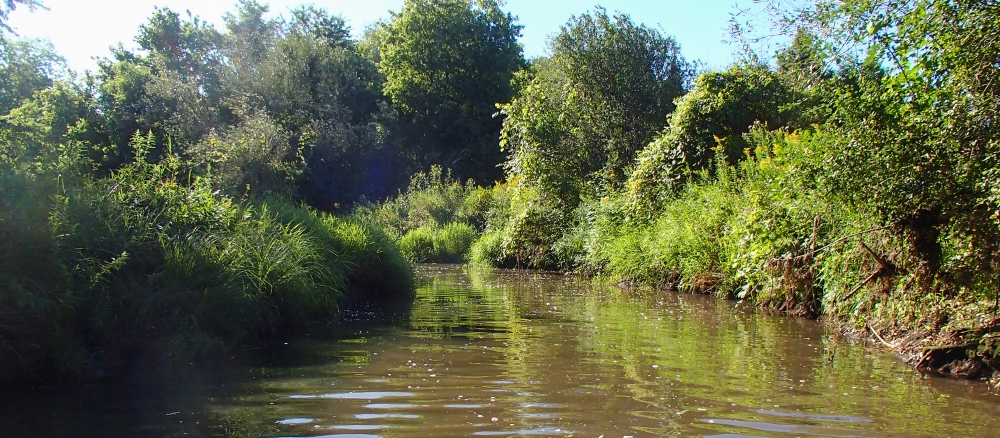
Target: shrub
431, 244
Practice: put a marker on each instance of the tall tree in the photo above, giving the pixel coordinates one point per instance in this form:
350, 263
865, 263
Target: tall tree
26, 66
447, 64
587, 110
171, 87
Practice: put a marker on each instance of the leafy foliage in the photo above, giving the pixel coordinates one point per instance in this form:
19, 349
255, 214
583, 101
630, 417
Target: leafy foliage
8, 6
586, 110
711, 119
26, 66
447, 63
139, 256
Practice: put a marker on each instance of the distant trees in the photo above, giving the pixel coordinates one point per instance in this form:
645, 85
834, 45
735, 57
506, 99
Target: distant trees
171, 88
219, 97
447, 63
26, 66
356, 117
585, 111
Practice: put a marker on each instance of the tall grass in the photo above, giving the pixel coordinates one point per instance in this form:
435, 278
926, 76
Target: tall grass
95, 269
432, 244
437, 219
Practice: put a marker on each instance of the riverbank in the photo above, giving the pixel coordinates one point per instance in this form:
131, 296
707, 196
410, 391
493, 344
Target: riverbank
97, 271
538, 351
765, 232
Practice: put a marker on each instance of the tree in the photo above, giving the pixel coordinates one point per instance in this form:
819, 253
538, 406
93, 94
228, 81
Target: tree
26, 66
914, 133
33, 134
447, 63
587, 110
311, 80
8, 6
172, 87
250, 37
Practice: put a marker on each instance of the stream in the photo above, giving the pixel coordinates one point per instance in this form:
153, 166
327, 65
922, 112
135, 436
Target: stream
516, 353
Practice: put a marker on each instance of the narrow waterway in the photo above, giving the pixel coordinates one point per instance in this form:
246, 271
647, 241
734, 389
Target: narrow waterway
504, 353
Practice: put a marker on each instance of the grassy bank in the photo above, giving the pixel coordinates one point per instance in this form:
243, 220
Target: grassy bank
97, 270
768, 231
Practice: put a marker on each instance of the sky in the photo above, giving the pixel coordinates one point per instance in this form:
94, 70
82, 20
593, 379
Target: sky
84, 30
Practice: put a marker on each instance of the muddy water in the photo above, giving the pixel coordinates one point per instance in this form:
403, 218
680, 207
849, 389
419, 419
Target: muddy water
527, 354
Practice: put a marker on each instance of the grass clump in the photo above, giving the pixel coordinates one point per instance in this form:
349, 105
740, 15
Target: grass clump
432, 244
438, 219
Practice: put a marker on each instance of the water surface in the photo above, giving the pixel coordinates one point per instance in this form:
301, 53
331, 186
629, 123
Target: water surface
504, 353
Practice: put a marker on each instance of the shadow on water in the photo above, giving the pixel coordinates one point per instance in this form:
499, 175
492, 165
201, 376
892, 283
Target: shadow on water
508, 353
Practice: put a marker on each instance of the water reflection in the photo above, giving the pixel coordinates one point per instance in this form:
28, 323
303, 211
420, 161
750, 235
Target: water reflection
497, 353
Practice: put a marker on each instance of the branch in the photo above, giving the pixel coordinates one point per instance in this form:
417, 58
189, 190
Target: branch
879, 336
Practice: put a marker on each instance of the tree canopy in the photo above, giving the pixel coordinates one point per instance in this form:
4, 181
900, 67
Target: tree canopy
586, 110
447, 64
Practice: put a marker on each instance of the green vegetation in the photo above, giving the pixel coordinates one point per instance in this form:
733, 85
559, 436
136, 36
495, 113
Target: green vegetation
857, 184
172, 205
447, 63
437, 218
97, 267
855, 176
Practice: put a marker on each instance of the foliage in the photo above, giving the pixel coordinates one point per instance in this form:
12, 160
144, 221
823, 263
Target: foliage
8, 6
32, 134
919, 135
447, 63
303, 77
103, 266
252, 158
523, 230
587, 109
433, 200
711, 119
26, 66
431, 244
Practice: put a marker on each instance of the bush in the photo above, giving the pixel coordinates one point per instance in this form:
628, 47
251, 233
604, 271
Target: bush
709, 124
488, 250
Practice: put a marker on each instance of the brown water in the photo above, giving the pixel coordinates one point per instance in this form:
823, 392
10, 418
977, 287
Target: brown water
501, 353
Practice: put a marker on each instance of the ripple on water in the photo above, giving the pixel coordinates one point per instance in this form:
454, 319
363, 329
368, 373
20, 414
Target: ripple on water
390, 406
537, 431
385, 416
374, 395
818, 417
539, 415
788, 428
295, 421
357, 427
540, 405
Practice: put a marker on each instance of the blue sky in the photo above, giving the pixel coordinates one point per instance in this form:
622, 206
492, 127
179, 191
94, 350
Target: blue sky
82, 30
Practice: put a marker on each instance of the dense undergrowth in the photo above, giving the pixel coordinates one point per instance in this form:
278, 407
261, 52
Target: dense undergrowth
769, 231
97, 270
